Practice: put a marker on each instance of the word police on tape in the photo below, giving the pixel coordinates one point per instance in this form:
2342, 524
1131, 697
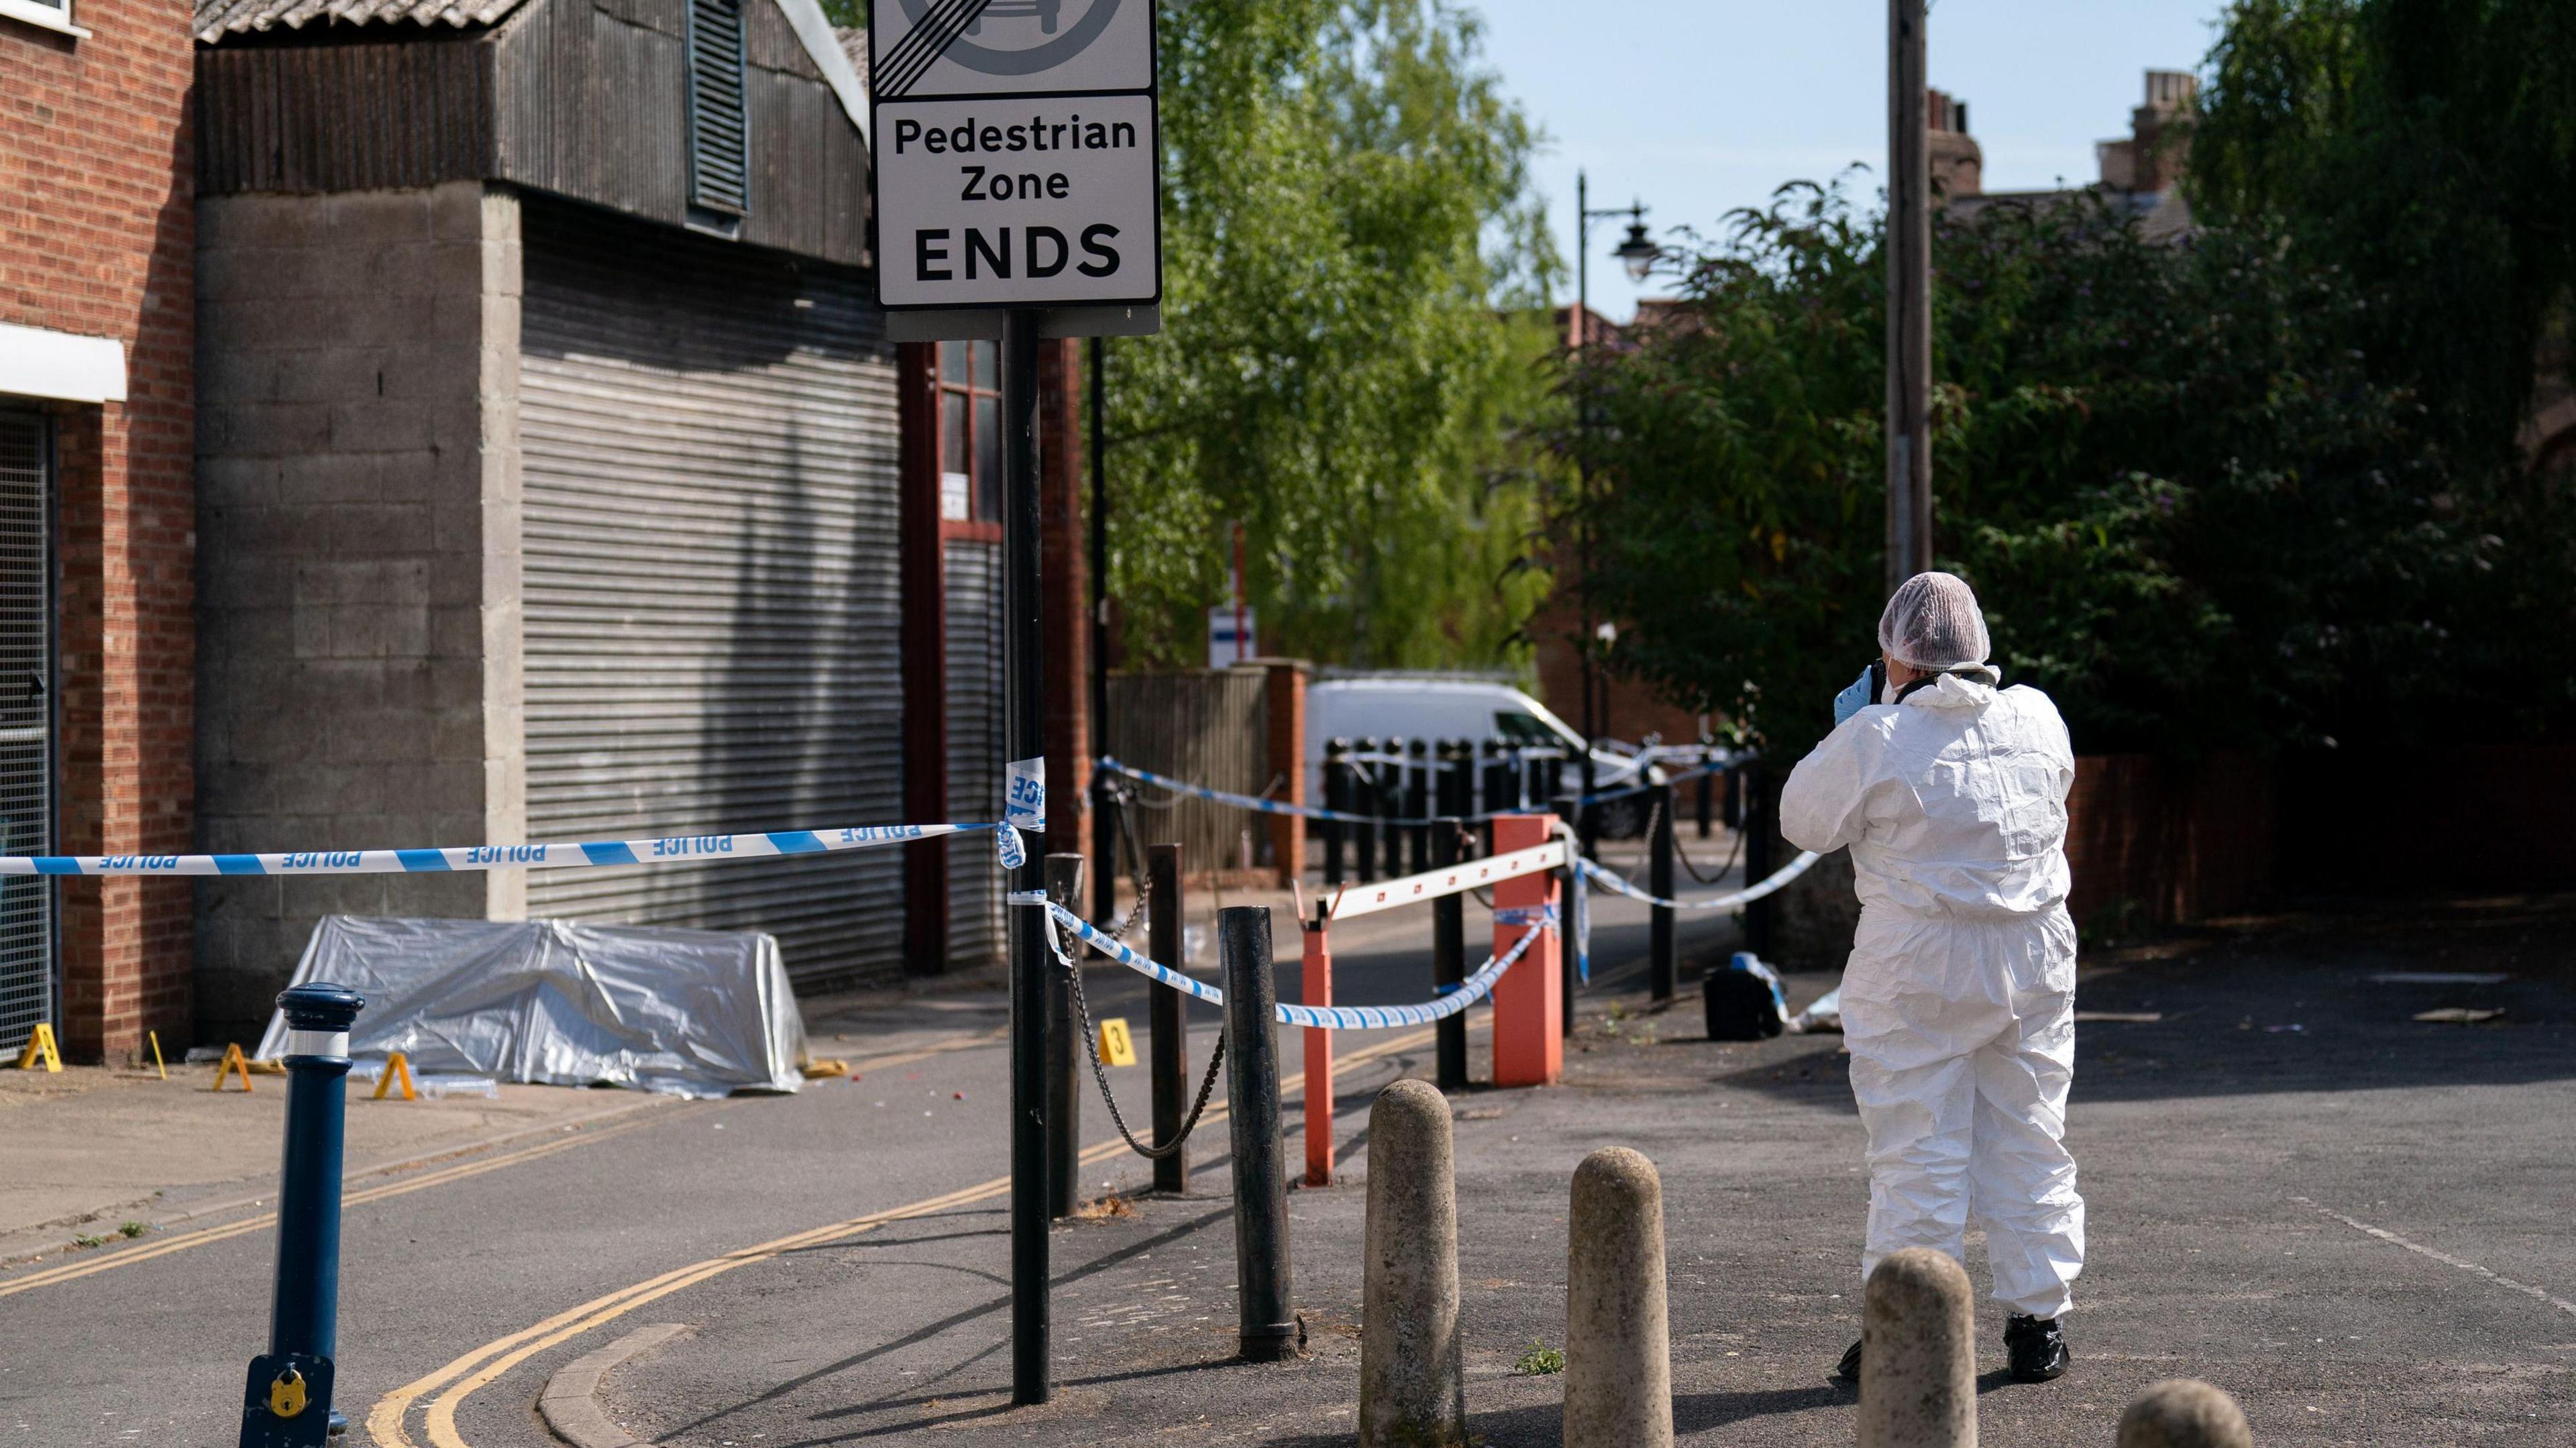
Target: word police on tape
1017, 155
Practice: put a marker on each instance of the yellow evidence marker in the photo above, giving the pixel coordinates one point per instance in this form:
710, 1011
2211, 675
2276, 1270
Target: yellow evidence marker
1116, 1047
396, 1065
233, 1061
41, 1046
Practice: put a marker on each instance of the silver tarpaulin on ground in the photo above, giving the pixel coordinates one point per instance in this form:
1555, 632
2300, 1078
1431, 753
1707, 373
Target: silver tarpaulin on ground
687, 1012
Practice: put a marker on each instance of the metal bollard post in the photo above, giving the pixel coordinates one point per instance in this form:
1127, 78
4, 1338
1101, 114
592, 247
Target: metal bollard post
1918, 1358
286, 1402
2177, 1413
1449, 925
1064, 1056
1662, 967
1529, 1001
1417, 803
1565, 808
1618, 1346
1502, 792
1265, 1327
1413, 1376
1167, 1028
1337, 798
1364, 796
1315, 988
1391, 805
1757, 858
1707, 798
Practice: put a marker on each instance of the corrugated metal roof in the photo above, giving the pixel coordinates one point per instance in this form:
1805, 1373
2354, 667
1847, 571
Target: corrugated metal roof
217, 19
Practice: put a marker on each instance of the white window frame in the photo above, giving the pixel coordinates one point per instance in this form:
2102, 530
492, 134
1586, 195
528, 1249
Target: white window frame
56, 18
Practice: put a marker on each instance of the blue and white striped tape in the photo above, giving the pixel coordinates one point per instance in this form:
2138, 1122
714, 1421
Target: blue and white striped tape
669, 849
1331, 1018
1026, 791
1729, 901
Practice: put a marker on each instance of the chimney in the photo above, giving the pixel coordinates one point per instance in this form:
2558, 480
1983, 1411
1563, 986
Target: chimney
1958, 165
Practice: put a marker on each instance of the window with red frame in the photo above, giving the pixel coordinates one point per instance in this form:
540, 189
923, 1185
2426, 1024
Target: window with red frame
970, 432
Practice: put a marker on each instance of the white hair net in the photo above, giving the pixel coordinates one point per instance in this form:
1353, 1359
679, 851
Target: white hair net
1933, 623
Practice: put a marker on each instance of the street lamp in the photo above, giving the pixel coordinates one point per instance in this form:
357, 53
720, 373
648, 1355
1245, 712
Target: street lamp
1638, 254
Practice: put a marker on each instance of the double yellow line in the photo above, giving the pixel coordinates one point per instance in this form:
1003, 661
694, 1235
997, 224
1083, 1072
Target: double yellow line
72, 1271
460, 1379
265, 1220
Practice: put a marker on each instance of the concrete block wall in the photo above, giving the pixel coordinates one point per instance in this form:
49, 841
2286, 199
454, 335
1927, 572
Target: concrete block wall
359, 677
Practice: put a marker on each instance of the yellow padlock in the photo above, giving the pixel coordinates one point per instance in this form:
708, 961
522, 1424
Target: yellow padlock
286, 1394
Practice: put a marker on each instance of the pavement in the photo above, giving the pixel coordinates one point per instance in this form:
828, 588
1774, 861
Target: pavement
2357, 1226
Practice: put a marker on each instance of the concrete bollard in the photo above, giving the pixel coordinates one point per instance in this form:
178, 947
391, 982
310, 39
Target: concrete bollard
1618, 1348
2184, 1413
1918, 1363
1413, 1374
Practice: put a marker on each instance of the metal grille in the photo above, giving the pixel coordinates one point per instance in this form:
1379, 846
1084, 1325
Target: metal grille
719, 154
26, 724
975, 741
1210, 728
708, 442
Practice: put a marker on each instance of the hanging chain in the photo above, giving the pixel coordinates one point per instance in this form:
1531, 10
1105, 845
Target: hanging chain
1082, 1008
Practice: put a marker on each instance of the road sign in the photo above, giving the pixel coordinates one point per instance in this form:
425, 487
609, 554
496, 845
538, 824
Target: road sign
1018, 161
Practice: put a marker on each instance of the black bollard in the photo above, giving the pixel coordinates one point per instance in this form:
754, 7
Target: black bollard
287, 1400
1364, 802
1391, 805
1064, 1056
1707, 798
1564, 808
1266, 1327
1337, 798
1661, 966
1449, 944
1757, 857
1417, 803
1168, 1030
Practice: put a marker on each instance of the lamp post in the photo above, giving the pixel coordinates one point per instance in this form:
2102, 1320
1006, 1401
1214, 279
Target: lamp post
1638, 254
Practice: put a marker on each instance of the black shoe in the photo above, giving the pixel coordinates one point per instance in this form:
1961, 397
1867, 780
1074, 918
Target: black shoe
2037, 1348
1848, 1370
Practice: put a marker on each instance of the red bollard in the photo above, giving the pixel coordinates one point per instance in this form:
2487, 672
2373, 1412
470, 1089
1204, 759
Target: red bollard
1529, 1006
1315, 988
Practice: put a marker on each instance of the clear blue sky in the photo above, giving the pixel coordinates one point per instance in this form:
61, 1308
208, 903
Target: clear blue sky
1701, 106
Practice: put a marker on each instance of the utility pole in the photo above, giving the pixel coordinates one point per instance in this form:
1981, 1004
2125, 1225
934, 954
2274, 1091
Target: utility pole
1909, 298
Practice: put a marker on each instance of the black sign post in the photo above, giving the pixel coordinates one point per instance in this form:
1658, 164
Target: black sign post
1015, 187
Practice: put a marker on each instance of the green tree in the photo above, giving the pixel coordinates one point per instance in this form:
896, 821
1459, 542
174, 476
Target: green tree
2194, 517
1347, 238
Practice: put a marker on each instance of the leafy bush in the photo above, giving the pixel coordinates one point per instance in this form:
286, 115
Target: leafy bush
2192, 513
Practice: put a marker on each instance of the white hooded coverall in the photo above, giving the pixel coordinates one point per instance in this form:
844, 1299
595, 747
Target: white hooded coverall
1959, 999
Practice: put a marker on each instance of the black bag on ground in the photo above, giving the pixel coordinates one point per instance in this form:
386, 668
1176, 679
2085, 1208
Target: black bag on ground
1744, 1001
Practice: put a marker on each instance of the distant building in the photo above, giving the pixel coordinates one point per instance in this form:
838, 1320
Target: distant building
2140, 174
97, 248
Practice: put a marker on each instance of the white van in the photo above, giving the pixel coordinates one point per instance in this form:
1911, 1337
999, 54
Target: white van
1435, 709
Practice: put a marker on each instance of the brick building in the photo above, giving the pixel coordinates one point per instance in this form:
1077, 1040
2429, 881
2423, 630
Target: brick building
97, 514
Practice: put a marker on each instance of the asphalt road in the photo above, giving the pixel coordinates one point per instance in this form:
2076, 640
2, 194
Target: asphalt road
460, 1292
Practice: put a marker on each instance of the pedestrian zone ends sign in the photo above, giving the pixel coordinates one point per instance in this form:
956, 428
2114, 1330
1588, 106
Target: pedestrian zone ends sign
1017, 160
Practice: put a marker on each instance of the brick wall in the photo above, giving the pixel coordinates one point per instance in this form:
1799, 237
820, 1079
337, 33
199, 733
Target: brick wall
96, 239
359, 473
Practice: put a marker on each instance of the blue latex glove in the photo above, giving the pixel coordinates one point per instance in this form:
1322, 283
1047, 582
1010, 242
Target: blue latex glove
1852, 700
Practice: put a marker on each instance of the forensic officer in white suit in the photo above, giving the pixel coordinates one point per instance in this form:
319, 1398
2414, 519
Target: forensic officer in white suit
1958, 1002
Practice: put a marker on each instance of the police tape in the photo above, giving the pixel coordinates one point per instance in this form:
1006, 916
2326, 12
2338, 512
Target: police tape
1026, 810
1746, 896
1331, 1018
1265, 806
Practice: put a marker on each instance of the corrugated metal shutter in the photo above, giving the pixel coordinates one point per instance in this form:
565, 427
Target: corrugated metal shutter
975, 739
26, 723
711, 598
719, 151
